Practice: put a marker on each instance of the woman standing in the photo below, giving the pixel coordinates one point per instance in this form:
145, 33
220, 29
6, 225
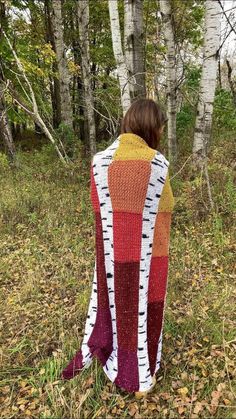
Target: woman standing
133, 202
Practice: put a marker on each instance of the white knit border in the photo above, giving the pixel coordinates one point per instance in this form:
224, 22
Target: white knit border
159, 169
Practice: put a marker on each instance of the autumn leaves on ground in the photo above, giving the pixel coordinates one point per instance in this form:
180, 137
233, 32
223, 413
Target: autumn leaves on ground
47, 256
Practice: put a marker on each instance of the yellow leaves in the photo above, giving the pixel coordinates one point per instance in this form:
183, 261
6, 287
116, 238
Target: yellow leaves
33, 69
204, 373
183, 391
184, 375
23, 384
191, 351
47, 54
22, 401
74, 68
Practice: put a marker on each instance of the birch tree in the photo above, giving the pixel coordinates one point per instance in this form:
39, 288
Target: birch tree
5, 129
83, 17
171, 77
134, 47
54, 82
119, 55
64, 77
208, 81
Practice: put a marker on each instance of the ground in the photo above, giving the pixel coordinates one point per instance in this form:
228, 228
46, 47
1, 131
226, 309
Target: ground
47, 251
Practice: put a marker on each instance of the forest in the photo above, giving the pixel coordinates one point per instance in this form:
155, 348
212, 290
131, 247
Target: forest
69, 70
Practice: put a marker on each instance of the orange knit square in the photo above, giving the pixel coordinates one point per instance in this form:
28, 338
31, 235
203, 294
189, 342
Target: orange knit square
161, 237
128, 182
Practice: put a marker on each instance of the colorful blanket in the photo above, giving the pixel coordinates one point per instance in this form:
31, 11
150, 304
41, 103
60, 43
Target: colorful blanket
133, 202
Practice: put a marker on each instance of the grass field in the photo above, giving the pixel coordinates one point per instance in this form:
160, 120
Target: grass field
47, 250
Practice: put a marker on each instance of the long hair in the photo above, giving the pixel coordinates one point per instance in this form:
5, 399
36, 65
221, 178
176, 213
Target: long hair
144, 118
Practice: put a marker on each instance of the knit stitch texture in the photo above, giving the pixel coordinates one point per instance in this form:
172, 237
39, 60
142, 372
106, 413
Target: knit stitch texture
133, 203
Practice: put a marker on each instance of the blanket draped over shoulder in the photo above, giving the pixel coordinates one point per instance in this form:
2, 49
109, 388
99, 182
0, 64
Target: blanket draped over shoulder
133, 203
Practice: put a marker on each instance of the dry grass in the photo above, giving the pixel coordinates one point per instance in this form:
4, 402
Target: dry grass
47, 256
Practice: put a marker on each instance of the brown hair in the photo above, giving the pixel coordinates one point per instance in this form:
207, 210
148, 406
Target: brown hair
145, 119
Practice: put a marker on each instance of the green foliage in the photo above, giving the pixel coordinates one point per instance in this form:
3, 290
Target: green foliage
100, 37
186, 116
67, 136
185, 120
192, 76
4, 162
188, 19
224, 111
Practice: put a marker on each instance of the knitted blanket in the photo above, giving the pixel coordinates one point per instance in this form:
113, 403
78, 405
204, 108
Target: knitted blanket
133, 202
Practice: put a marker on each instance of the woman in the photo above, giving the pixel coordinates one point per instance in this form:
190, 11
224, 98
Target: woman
132, 201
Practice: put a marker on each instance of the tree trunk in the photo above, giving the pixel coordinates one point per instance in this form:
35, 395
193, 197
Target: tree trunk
119, 56
5, 129
232, 83
134, 47
83, 17
219, 73
54, 82
64, 77
167, 18
208, 82
80, 113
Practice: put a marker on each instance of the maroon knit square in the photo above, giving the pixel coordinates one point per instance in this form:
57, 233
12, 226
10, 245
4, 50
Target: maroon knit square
126, 302
127, 376
103, 300
154, 324
100, 340
74, 366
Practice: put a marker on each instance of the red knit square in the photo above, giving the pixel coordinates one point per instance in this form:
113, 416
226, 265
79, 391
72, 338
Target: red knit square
158, 278
93, 192
127, 236
126, 303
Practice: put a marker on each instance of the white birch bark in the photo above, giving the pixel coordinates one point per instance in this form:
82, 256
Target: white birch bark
64, 77
5, 130
208, 80
165, 9
134, 47
119, 56
83, 18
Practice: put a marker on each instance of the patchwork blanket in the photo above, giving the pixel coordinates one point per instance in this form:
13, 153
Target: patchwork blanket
133, 202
